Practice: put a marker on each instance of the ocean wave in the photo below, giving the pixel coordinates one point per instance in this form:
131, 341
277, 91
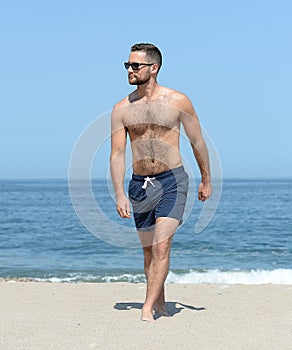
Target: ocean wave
81, 277
277, 276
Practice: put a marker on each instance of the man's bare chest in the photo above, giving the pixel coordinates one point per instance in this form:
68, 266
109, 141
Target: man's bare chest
151, 119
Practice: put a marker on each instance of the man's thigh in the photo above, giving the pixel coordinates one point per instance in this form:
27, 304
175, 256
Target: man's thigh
146, 238
164, 229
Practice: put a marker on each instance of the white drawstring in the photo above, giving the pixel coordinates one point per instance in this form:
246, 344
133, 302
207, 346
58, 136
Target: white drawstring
148, 179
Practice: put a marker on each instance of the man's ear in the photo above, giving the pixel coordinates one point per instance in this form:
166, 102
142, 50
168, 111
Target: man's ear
154, 68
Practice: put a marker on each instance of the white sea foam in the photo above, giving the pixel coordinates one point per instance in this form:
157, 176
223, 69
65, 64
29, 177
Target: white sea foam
278, 276
80, 277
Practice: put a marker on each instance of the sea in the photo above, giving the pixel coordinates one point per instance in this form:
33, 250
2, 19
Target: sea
43, 236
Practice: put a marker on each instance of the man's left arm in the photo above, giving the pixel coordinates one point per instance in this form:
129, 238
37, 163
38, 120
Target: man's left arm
193, 131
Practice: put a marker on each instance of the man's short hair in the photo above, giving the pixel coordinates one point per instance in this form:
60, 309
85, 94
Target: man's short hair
153, 54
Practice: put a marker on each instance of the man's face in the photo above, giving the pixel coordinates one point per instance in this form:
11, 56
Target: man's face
142, 75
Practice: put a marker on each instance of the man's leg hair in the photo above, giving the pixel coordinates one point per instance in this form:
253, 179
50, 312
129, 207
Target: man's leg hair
159, 306
158, 268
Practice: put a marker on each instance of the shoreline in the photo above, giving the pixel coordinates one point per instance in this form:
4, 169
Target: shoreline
278, 276
50, 315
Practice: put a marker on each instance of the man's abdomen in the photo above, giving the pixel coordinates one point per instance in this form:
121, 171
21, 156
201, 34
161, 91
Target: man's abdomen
153, 166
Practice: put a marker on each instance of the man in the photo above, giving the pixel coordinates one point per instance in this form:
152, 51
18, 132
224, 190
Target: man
151, 116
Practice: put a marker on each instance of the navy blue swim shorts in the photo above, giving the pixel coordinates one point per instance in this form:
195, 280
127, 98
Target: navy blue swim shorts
159, 195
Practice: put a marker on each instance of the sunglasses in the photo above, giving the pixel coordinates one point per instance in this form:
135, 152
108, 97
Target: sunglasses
136, 65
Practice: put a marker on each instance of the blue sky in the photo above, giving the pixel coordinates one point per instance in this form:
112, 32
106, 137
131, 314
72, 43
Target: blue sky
61, 67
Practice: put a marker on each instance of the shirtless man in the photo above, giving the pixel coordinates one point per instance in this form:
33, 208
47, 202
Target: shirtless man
151, 116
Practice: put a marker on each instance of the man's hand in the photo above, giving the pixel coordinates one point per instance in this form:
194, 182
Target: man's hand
204, 191
123, 207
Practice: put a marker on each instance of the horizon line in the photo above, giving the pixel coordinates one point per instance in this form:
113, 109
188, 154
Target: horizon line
105, 178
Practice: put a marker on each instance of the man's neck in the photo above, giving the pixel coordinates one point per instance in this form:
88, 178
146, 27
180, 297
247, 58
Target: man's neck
147, 90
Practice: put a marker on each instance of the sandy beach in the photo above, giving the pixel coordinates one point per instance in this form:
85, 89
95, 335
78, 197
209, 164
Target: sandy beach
107, 316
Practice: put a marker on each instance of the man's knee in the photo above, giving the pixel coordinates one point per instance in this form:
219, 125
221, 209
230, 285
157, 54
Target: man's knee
161, 250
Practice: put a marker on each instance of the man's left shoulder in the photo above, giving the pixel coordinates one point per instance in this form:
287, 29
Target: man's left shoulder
180, 101
176, 96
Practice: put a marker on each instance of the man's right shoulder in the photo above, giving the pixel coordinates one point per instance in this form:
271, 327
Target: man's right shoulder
118, 111
123, 103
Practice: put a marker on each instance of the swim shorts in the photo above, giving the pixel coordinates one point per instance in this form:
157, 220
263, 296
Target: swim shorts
159, 195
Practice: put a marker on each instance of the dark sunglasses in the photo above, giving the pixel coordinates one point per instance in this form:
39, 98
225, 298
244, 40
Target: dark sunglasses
136, 65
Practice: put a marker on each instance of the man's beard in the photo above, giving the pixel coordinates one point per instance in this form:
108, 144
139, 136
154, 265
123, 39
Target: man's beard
138, 80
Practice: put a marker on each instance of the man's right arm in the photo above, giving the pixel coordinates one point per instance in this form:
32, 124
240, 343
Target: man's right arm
117, 161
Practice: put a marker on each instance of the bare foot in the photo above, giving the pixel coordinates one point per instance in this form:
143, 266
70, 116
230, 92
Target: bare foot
147, 316
161, 310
